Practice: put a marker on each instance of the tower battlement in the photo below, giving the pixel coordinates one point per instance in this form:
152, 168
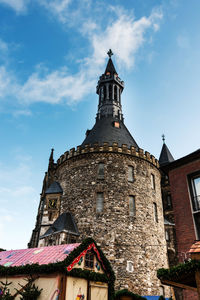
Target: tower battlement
96, 148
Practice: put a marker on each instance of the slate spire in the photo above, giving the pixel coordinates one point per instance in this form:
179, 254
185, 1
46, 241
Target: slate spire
165, 155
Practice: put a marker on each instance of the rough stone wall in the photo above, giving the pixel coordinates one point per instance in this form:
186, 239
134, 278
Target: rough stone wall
138, 239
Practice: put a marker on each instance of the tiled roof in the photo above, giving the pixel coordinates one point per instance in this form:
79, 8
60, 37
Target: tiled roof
42, 256
195, 248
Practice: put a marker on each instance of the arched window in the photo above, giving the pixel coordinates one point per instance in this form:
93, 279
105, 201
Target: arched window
110, 92
115, 93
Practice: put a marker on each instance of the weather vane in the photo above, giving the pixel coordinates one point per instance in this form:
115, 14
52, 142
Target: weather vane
163, 138
110, 53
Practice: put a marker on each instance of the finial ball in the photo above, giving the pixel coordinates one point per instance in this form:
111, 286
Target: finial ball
163, 138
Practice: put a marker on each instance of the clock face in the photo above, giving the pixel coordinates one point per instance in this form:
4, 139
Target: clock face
52, 203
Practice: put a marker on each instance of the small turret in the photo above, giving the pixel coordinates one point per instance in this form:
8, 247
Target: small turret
165, 155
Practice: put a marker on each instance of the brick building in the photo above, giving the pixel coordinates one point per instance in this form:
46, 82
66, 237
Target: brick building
181, 202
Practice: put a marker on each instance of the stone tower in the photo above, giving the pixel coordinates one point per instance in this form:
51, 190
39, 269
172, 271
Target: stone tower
108, 188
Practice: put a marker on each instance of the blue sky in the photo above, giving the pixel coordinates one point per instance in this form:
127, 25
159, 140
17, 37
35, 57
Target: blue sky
51, 55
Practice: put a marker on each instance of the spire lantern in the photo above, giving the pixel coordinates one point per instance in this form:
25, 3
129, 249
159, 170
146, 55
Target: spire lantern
109, 89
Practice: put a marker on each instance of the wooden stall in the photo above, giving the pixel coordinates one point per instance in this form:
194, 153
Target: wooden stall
63, 272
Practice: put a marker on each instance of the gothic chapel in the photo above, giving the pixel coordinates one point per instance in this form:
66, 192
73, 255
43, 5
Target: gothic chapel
108, 189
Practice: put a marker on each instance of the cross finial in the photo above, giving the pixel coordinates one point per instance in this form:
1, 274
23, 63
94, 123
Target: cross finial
163, 138
110, 53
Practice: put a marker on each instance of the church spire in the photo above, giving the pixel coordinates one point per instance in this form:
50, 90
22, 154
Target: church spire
109, 89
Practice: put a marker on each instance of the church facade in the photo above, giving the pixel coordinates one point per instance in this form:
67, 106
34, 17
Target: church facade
108, 189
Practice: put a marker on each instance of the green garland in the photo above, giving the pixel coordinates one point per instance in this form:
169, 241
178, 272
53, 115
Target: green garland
181, 270
125, 292
61, 267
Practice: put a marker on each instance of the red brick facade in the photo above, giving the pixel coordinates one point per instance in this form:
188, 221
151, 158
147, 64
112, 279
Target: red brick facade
179, 176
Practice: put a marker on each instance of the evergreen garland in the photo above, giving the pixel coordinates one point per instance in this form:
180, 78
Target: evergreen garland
181, 270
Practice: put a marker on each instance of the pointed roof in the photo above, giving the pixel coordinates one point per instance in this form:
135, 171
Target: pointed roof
165, 156
54, 188
65, 222
104, 131
110, 67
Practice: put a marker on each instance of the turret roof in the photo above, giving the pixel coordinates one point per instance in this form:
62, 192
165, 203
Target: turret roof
54, 188
165, 156
65, 222
110, 67
104, 131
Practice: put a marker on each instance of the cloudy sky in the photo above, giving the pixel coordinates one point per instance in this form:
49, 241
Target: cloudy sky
51, 54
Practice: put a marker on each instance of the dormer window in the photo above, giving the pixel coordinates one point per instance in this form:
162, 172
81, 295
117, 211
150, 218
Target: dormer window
116, 124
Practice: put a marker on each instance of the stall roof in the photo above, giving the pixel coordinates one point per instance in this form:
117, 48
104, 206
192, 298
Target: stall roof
41, 256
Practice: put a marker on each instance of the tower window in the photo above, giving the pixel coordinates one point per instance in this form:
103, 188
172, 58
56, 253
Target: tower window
131, 206
104, 92
153, 186
155, 212
100, 172
99, 202
115, 92
89, 260
129, 267
130, 173
110, 92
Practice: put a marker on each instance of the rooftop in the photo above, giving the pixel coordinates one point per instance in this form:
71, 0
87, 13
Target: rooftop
41, 256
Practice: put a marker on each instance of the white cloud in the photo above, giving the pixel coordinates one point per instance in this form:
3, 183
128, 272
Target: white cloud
18, 5
123, 34
22, 112
7, 82
59, 8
